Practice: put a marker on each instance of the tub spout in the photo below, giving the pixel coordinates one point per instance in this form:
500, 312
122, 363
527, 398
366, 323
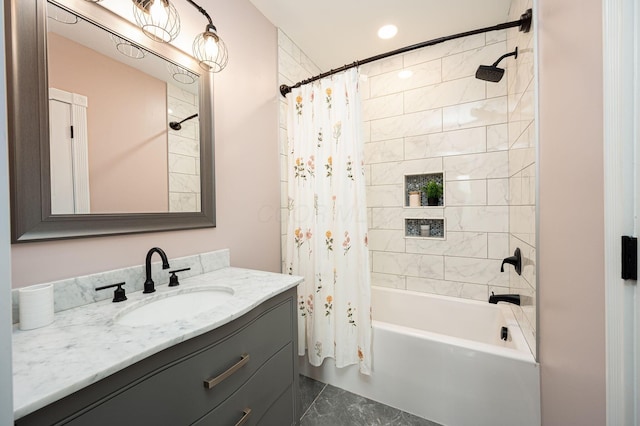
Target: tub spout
510, 298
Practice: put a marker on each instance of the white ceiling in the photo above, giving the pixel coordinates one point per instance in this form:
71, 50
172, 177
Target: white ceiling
337, 32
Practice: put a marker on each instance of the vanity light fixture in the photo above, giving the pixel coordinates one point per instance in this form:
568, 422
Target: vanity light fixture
180, 74
208, 48
158, 19
61, 15
127, 48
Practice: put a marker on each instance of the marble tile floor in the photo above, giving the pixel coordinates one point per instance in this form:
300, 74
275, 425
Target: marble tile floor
326, 405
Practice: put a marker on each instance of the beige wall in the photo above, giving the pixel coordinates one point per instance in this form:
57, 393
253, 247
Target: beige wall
247, 178
127, 162
571, 218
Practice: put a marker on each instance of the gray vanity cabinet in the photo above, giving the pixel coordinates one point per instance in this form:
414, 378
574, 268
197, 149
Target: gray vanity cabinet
244, 373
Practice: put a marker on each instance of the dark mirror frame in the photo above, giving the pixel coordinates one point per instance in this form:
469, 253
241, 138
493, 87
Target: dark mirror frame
28, 130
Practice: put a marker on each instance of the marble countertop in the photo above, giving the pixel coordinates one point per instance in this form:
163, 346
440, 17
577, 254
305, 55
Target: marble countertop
84, 345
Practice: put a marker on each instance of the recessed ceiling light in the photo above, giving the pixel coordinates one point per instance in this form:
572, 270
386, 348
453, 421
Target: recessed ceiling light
388, 31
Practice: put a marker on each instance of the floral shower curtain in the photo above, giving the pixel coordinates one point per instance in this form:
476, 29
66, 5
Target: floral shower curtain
327, 230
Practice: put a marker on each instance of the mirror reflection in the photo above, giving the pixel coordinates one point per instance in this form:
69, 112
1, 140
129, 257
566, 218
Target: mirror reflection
124, 128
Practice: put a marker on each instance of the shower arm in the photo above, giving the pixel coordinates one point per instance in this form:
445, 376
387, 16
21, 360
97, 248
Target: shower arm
506, 55
523, 24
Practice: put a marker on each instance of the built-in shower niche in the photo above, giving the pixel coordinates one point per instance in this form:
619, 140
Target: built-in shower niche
416, 183
424, 228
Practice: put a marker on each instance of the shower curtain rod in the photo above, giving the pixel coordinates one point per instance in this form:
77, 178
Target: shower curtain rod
524, 23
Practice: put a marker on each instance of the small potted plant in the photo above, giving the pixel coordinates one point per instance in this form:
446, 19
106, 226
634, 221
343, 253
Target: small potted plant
433, 190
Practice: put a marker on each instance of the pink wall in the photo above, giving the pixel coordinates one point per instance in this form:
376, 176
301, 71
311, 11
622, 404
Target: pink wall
571, 238
247, 171
128, 169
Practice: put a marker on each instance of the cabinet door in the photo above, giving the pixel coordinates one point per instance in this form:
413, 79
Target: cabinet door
254, 399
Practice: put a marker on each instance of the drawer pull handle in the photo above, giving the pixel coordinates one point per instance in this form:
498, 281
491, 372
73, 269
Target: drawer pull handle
246, 414
211, 383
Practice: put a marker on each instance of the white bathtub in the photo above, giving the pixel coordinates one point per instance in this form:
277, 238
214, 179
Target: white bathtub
442, 359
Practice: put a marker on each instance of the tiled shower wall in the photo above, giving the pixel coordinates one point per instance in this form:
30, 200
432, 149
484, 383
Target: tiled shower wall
293, 66
443, 120
184, 152
440, 119
522, 170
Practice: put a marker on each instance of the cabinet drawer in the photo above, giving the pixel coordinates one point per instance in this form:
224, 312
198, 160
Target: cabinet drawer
176, 394
270, 388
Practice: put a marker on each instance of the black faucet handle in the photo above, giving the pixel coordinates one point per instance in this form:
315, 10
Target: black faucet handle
515, 260
173, 279
119, 294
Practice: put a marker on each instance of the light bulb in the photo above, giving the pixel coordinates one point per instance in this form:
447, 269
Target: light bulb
158, 11
211, 46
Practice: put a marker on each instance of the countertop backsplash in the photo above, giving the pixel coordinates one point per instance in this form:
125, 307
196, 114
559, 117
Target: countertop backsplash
74, 292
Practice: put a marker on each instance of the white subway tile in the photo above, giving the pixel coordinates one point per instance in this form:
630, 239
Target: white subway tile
466, 193
382, 107
440, 50
522, 222
478, 292
182, 202
284, 42
182, 164
435, 286
414, 265
386, 240
467, 244
444, 94
184, 183
496, 36
457, 142
519, 159
498, 192
498, 245
385, 196
497, 137
388, 280
477, 219
477, 166
473, 114
393, 63
422, 75
394, 172
184, 146
418, 123
383, 151
466, 63
387, 218
174, 92
497, 89
477, 271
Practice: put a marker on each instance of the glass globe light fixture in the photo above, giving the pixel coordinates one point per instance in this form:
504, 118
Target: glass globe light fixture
158, 19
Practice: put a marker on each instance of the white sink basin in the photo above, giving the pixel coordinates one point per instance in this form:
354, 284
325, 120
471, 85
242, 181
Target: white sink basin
169, 307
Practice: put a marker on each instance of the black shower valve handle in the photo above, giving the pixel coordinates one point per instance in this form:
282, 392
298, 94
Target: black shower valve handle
119, 294
173, 279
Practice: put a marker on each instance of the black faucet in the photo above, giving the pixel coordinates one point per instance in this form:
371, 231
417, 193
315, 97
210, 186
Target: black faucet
510, 298
149, 286
515, 260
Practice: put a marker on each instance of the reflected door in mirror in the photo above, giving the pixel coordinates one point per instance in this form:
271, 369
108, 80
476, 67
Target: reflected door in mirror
68, 153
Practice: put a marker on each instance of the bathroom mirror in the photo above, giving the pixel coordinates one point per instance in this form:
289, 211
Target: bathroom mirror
172, 168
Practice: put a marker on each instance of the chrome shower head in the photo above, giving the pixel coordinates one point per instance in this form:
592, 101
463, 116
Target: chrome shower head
491, 72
